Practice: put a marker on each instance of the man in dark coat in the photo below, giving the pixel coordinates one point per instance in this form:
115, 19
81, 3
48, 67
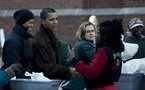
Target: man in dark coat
46, 48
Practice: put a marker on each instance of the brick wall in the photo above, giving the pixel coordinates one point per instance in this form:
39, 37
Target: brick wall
68, 24
15, 4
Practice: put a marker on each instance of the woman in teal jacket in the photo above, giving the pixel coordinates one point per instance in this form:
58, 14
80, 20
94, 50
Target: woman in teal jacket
84, 49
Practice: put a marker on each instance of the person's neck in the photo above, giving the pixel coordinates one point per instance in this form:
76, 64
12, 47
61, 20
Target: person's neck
46, 29
89, 40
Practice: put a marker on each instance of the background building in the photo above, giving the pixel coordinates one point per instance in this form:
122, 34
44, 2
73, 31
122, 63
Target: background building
73, 12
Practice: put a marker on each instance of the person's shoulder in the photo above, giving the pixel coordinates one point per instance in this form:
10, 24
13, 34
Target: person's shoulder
13, 35
77, 44
40, 39
39, 35
128, 39
81, 42
86, 44
13, 39
83, 46
64, 42
103, 49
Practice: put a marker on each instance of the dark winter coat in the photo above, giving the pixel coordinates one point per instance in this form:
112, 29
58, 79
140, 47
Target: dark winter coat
17, 48
84, 50
46, 57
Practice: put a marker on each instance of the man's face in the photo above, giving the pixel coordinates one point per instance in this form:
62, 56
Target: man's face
51, 21
137, 31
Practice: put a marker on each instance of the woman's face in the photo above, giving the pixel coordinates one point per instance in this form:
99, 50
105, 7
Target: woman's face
29, 25
90, 33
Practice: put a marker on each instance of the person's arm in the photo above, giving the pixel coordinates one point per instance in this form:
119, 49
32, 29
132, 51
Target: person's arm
48, 64
83, 52
88, 52
96, 66
9, 72
4, 78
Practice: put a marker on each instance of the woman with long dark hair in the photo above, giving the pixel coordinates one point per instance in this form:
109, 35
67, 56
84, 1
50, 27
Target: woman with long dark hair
98, 73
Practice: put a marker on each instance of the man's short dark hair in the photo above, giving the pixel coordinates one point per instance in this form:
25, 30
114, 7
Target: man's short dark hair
45, 11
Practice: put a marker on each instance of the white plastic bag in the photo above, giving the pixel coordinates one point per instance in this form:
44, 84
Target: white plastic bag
129, 51
134, 66
37, 76
63, 83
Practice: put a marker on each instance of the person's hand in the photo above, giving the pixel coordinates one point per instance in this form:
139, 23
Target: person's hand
73, 72
18, 70
11, 70
71, 54
16, 66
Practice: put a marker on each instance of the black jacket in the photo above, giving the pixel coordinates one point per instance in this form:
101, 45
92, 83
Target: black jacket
17, 48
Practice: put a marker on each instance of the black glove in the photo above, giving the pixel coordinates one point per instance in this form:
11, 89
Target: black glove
18, 70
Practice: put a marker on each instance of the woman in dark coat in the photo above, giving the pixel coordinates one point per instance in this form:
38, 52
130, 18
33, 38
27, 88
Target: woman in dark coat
84, 49
18, 48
